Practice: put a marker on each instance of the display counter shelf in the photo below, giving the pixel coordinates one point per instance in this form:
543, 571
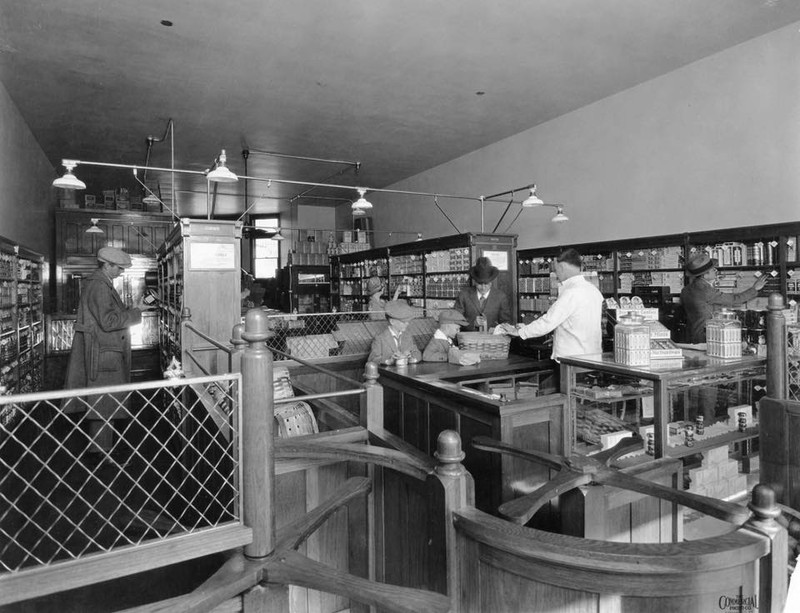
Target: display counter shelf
697, 370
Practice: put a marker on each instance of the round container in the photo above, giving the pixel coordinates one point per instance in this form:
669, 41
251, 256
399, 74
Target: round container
401, 361
632, 341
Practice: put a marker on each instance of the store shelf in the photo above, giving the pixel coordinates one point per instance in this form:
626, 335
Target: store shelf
21, 347
430, 264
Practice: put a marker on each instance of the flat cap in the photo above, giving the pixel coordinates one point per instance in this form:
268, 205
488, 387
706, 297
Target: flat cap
451, 316
399, 309
112, 255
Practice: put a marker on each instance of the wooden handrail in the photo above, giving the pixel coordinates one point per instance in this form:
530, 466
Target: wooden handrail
725, 551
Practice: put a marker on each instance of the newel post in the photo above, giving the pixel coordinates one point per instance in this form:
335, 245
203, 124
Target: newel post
258, 454
459, 492
772, 574
238, 346
776, 348
186, 318
372, 400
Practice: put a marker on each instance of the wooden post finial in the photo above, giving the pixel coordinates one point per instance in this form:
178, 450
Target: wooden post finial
449, 453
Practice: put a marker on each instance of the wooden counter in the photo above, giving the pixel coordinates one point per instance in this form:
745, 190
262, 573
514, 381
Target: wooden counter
421, 400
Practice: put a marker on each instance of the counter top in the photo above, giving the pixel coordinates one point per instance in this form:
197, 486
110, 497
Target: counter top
444, 378
694, 363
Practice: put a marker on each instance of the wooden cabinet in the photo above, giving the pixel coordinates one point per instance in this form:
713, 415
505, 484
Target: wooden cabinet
199, 269
432, 271
139, 235
21, 318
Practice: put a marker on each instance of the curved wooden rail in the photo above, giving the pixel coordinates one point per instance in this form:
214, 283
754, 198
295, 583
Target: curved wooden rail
646, 568
577, 470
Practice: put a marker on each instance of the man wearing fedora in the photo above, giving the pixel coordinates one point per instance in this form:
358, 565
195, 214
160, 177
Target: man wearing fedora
700, 296
483, 306
101, 346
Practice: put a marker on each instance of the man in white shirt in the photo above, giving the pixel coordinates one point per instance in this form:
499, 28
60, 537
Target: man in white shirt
575, 315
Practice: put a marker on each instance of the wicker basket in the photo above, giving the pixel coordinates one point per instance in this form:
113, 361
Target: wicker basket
490, 346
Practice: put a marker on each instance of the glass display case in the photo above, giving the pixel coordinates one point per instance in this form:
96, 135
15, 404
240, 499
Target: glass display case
609, 400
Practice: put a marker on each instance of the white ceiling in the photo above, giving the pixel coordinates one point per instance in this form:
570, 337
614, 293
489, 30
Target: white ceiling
399, 86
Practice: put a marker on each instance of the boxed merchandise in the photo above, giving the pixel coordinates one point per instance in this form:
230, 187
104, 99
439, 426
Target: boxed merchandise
89, 201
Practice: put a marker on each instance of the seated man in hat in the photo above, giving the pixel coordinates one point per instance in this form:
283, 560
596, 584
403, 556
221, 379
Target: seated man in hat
700, 296
483, 306
392, 344
441, 348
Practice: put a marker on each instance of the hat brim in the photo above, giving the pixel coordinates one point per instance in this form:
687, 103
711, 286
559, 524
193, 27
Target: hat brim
704, 268
484, 276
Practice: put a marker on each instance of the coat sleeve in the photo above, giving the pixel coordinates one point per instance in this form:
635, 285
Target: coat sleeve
107, 310
435, 351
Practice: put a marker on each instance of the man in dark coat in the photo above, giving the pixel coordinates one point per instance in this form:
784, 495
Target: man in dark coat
483, 305
101, 346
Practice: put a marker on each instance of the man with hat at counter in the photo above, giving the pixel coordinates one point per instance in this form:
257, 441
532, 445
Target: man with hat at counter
699, 296
441, 348
392, 345
575, 315
482, 306
101, 346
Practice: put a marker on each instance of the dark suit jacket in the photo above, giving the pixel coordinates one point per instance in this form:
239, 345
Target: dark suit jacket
497, 309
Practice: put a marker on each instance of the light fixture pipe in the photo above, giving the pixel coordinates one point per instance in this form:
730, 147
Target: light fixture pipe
303, 157
368, 189
135, 167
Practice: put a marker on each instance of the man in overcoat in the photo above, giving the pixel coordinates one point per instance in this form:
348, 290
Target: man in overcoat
101, 346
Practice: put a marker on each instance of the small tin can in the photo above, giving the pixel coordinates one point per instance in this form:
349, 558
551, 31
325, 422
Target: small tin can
688, 435
699, 425
650, 448
742, 421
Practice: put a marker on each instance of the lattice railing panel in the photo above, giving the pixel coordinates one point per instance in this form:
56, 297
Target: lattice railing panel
172, 468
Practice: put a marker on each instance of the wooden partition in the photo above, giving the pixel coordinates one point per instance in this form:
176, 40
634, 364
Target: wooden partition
509, 568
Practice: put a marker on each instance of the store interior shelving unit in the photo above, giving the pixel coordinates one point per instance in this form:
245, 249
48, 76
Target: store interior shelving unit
431, 271
652, 267
199, 268
21, 318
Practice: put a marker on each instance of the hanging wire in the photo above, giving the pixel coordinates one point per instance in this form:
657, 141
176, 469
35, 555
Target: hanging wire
436, 202
247, 210
150, 191
508, 206
521, 208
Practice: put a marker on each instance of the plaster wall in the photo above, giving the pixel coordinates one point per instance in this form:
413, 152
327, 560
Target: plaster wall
714, 144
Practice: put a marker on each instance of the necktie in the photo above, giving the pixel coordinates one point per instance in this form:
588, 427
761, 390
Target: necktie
482, 301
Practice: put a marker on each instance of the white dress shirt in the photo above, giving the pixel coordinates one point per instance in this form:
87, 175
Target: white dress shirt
575, 317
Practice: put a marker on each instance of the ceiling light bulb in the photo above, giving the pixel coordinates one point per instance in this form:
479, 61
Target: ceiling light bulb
362, 203
221, 174
359, 212
278, 236
533, 199
419, 236
69, 180
559, 216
